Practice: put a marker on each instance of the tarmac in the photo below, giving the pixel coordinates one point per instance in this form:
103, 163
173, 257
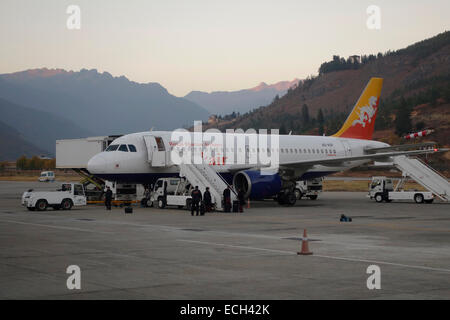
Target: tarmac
168, 254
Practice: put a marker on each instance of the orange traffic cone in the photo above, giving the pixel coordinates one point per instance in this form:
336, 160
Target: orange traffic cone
305, 248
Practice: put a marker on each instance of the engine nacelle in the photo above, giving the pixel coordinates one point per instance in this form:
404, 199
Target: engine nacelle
256, 185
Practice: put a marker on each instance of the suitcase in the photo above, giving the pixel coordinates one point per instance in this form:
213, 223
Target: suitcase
235, 206
202, 209
128, 210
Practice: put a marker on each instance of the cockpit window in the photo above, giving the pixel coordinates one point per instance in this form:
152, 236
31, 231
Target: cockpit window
132, 148
123, 147
112, 147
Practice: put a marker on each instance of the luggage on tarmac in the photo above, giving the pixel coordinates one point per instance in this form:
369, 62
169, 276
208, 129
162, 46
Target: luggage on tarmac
236, 206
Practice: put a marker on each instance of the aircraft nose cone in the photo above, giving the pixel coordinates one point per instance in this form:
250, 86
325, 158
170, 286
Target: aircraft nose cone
97, 164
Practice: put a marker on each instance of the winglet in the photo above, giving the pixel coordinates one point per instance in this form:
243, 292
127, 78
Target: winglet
361, 121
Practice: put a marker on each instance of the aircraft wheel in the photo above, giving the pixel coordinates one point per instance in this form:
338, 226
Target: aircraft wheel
291, 199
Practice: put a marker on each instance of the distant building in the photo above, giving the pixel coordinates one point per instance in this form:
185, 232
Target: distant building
213, 119
354, 59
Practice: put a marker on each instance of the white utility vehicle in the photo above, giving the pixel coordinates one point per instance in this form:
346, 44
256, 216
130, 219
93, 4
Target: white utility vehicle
70, 194
382, 189
177, 193
308, 188
47, 176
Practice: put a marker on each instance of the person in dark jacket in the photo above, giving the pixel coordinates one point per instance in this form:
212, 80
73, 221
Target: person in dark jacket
196, 199
227, 199
207, 200
241, 199
108, 198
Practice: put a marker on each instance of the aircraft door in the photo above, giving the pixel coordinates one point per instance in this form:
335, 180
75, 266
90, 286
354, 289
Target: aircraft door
347, 148
156, 151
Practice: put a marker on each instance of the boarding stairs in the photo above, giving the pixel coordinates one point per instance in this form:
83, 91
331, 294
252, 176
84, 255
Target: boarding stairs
203, 176
424, 175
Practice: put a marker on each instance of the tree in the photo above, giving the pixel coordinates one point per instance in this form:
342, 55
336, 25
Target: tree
403, 122
21, 163
320, 121
305, 115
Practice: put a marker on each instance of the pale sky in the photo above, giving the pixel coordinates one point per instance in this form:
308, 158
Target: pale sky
207, 45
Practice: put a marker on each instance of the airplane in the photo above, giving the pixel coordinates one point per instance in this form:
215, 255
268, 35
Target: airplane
144, 157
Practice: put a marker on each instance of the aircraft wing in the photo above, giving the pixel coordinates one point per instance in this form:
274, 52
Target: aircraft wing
340, 160
401, 147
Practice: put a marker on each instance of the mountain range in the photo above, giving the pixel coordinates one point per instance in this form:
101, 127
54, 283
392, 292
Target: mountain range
227, 102
48, 104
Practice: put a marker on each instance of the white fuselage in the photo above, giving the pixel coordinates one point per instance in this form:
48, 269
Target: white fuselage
135, 167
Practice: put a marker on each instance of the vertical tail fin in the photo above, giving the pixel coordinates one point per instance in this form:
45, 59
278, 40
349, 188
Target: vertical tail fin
361, 121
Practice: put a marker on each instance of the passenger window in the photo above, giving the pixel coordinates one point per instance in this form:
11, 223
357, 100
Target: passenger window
291, 151
112, 147
132, 148
123, 147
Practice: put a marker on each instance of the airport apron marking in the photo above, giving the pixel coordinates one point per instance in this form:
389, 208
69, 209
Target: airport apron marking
51, 226
321, 256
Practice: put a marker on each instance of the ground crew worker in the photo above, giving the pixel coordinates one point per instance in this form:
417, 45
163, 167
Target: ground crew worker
108, 198
241, 198
227, 199
146, 198
196, 199
207, 200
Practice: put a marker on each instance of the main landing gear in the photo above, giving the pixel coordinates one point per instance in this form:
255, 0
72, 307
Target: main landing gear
287, 198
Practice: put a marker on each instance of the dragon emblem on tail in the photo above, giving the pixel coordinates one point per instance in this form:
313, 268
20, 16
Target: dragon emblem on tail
366, 113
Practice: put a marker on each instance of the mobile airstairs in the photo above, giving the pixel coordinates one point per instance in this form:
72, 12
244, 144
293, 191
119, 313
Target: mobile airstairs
424, 175
203, 176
